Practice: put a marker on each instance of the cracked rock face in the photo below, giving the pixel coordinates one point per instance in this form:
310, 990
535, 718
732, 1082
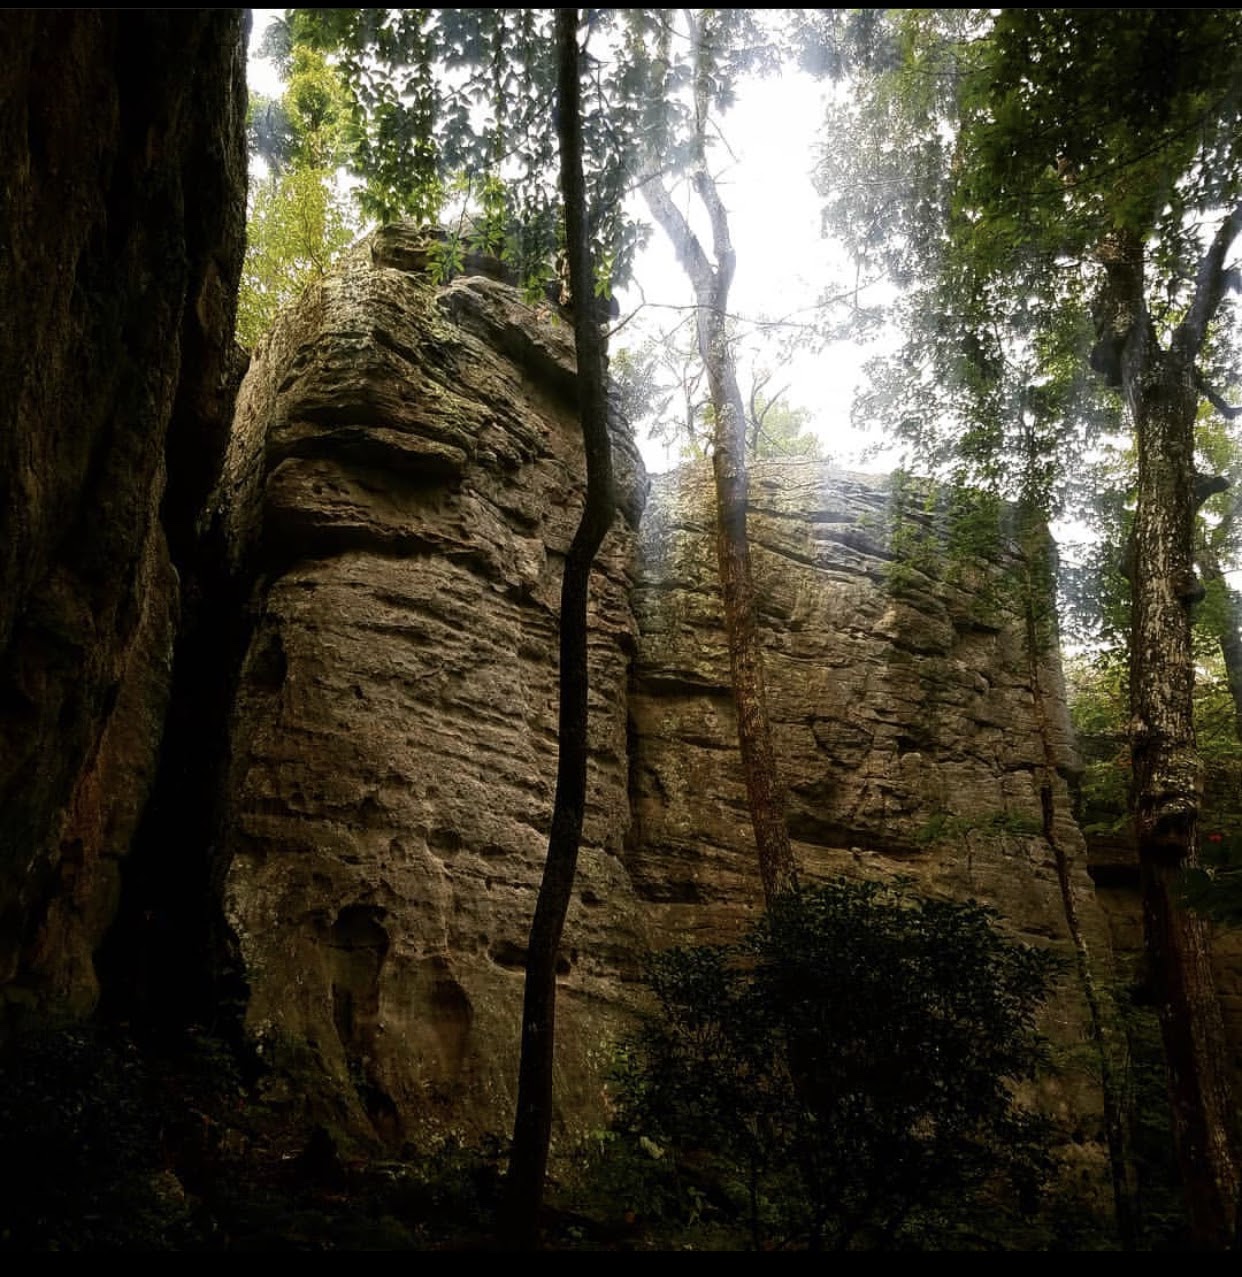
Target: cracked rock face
405, 478
406, 473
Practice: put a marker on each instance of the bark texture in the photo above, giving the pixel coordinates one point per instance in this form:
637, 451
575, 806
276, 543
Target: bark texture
1160, 389
1168, 790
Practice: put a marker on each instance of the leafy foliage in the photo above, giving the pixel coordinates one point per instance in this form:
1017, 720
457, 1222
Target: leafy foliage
984, 158
845, 1075
455, 106
1086, 122
299, 218
661, 390
990, 388
80, 1143
297, 226
776, 430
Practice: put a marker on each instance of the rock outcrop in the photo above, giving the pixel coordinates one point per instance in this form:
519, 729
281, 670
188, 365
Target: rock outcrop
299, 679
122, 139
919, 721
404, 477
902, 699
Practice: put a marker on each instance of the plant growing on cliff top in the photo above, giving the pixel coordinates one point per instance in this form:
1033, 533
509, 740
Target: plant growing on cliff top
844, 1076
298, 218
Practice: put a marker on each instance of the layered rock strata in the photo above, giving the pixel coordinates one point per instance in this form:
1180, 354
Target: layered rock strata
901, 692
405, 475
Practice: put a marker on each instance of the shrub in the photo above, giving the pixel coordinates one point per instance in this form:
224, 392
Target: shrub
81, 1149
844, 1077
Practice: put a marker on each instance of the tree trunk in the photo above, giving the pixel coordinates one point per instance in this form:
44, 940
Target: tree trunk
711, 290
763, 789
1161, 393
711, 283
1162, 399
532, 1128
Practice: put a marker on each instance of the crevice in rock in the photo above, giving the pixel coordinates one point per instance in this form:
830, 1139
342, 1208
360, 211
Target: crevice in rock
168, 960
127, 236
358, 946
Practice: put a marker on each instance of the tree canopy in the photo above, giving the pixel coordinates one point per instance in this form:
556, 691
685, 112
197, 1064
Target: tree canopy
982, 161
1057, 193
1075, 204
458, 105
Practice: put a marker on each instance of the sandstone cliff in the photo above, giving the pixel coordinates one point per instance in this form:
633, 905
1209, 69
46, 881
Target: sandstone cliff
122, 214
405, 474
403, 478
277, 706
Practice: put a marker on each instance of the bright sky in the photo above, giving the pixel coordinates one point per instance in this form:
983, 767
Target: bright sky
784, 264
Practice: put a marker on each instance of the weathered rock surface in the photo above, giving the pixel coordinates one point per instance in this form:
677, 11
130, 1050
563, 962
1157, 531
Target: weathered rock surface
901, 700
405, 474
916, 732
122, 138
406, 469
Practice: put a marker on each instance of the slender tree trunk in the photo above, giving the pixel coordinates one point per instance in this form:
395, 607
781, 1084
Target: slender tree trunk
1041, 637
1167, 786
711, 283
711, 289
763, 789
532, 1129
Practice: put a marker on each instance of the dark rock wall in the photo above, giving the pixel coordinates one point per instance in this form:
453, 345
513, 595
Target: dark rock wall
122, 217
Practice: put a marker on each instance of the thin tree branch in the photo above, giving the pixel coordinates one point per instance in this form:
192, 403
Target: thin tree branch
686, 244
1216, 400
1209, 288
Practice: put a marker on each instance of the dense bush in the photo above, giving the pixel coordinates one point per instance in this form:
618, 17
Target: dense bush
844, 1077
81, 1146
